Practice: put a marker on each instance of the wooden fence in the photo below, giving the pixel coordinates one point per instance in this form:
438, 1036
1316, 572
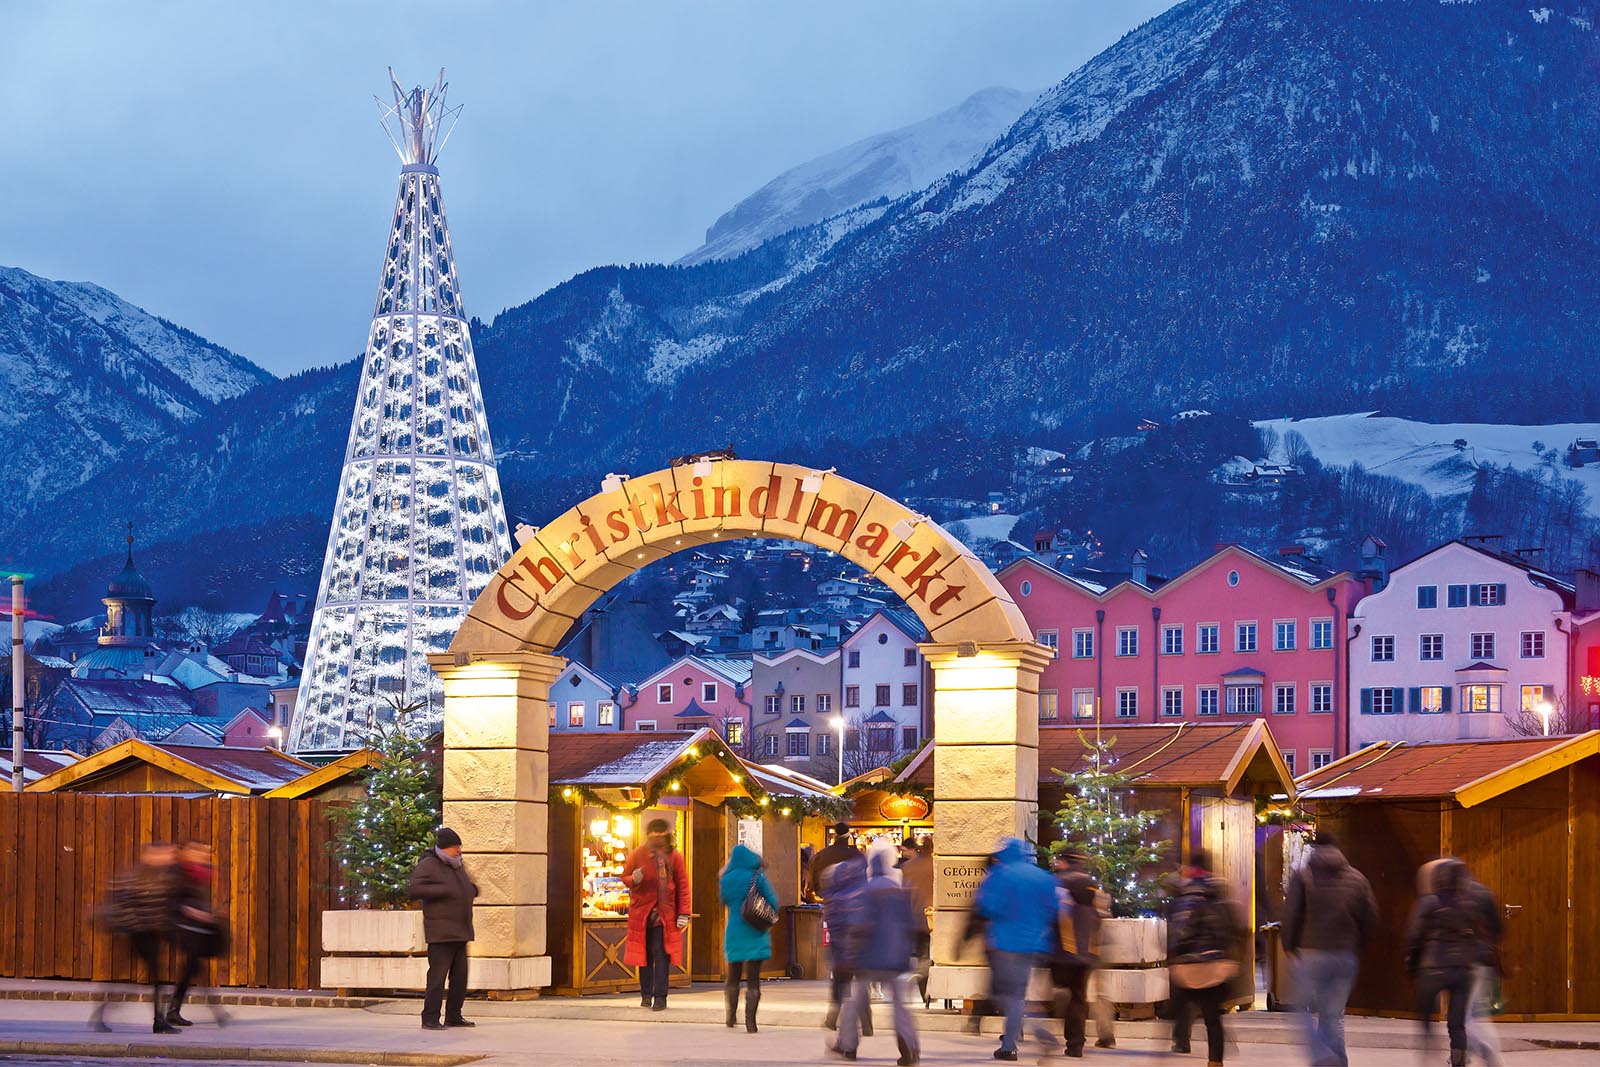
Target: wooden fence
58, 852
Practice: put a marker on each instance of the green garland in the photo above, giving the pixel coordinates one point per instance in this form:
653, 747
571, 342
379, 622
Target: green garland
759, 804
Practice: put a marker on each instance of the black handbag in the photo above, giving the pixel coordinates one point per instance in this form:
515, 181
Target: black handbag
756, 910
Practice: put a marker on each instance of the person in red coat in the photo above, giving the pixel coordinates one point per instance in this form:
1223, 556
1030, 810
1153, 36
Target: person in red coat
658, 911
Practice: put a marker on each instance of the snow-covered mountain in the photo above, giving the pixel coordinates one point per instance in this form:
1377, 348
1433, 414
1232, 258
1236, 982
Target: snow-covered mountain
88, 378
1442, 459
887, 165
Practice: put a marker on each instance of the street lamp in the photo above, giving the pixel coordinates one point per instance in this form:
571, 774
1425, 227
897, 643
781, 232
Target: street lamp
275, 735
1544, 710
837, 722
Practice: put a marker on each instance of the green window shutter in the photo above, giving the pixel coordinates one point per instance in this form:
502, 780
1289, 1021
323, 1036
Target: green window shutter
1366, 702
1500, 594
1444, 702
1416, 698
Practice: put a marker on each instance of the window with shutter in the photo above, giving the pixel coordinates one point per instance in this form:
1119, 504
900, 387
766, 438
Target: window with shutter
1457, 596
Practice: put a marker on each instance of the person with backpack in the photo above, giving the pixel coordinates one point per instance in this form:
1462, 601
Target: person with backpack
880, 954
1329, 916
141, 908
1446, 939
747, 933
1077, 947
1017, 900
1204, 930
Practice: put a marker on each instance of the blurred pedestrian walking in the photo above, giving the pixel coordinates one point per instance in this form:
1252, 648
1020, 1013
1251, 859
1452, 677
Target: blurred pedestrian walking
1447, 938
658, 912
1077, 947
844, 911
1329, 916
1017, 900
201, 934
747, 933
916, 868
977, 928
141, 908
1204, 931
822, 864
445, 888
881, 953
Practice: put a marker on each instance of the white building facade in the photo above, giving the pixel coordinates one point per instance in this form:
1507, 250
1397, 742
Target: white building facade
1463, 642
883, 689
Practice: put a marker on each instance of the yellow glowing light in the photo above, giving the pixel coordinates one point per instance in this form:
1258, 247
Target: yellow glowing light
694, 750
598, 828
566, 794
738, 778
622, 826
765, 801
785, 811
674, 785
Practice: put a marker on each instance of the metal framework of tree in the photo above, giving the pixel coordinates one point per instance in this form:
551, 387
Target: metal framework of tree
419, 526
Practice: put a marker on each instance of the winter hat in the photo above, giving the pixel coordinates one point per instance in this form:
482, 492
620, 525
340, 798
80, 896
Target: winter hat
445, 837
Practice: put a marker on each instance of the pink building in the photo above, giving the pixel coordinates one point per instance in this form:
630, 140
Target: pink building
1237, 636
693, 692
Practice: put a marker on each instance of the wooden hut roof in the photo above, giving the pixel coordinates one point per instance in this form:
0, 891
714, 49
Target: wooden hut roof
212, 768
622, 758
1218, 755
329, 774
1468, 772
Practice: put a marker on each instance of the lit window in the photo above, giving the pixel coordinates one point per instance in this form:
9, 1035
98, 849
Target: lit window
1483, 646
1083, 703
1533, 644
1172, 702
1283, 700
552, 713
1172, 640
1480, 699
1533, 696
1383, 648
664, 693
1207, 700
1321, 698
606, 712
1050, 639
1047, 705
1127, 703
1207, 637
1431, 647
1283, 636
1430, 700
1083, 644
575, 714
1127, 640
1321, 634
1244, 637
733, 731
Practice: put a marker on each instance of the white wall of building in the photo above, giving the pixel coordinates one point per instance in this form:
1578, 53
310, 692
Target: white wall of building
1394, 612
880, 651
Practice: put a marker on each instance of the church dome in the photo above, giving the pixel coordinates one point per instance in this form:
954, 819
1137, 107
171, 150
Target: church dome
130, 583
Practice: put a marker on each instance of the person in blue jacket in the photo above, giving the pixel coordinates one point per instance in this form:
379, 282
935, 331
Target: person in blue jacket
743, 946
880, 951
1017, 901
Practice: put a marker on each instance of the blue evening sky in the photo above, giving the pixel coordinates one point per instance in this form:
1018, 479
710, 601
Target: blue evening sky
220, 164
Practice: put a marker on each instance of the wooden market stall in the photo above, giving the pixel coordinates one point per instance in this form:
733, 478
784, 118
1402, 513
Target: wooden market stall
1523, 814
605, 788
1204, 778
136, 766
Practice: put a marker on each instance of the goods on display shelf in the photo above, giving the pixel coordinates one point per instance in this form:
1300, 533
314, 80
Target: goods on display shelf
608, 839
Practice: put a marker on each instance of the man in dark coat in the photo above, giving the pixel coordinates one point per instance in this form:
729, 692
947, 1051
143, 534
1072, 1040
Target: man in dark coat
446, 890
1330, 915
1077, 946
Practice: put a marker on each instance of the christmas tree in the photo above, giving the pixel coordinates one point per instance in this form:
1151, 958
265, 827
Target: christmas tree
383, 834
1097, 818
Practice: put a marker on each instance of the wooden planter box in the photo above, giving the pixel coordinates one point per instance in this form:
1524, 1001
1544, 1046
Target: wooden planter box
1133, 954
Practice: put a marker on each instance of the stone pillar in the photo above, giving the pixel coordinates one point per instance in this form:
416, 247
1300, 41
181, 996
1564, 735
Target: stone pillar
985, 785
496, 796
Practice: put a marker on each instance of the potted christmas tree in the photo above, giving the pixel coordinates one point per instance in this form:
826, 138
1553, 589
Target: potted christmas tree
377, 942
1098, 819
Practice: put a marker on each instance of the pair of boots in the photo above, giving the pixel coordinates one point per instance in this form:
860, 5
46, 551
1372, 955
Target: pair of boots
751, 1002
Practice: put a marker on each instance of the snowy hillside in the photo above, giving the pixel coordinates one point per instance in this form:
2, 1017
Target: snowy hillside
887, 165
1426, 455
89, 377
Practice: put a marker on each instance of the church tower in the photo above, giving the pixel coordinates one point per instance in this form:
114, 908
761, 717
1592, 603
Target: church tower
130, 606
418, 527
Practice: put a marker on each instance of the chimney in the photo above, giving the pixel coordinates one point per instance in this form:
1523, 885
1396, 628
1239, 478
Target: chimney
1534, 557
1588, 590
1374, 568
1139, 567
1292, 550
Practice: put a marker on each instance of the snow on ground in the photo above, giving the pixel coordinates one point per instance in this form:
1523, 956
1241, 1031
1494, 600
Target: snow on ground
1425, 454
32, 630
992, 527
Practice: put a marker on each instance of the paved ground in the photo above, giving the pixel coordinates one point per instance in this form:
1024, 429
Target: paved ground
614, 1032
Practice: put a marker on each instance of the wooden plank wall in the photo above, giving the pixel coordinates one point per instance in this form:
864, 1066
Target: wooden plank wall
58, 852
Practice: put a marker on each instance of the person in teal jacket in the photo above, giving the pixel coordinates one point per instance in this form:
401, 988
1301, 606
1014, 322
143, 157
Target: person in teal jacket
743, 946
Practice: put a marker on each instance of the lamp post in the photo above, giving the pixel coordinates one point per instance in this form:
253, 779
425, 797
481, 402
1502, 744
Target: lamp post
1544, 709
837, 722
19, 660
